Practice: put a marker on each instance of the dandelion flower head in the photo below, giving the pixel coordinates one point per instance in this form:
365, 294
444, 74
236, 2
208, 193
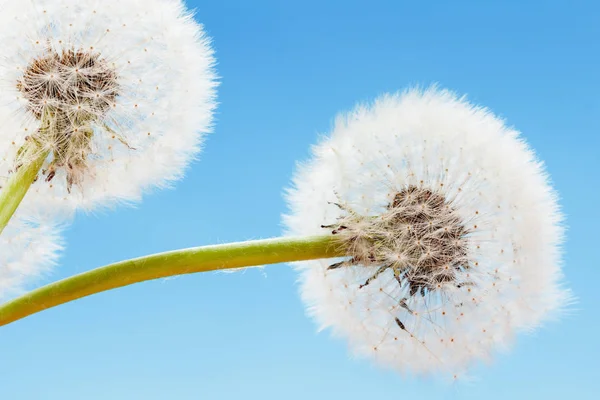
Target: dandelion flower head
119, 92
452, 231
29, 248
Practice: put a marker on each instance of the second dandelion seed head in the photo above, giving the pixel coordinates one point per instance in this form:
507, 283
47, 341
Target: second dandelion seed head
118, 93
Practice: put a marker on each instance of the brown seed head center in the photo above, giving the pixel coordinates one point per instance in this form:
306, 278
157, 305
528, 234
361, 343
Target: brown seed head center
68, 91
420, 237
75, 82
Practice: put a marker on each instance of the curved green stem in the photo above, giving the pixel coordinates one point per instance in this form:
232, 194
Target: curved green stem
17, 186
186, 261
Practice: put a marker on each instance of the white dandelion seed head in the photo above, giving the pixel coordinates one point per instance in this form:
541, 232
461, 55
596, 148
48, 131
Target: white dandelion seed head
121, 92
29, 247
452, 228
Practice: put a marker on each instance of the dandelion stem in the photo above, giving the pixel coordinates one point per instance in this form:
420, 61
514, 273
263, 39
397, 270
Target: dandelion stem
178, 262
17, 186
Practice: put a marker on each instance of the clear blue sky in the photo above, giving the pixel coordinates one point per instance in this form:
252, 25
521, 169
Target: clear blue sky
287, 68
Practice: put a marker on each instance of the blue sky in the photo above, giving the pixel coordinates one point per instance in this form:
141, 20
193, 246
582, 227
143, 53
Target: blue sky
287, 68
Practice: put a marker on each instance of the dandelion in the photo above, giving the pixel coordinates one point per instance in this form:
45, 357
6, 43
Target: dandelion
451, 227
29, 247
110, 97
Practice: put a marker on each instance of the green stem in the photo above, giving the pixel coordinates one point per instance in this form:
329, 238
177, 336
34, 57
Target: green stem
186, 261
17, 186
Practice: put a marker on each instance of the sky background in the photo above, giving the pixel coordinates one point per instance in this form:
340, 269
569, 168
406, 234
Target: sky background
287, 68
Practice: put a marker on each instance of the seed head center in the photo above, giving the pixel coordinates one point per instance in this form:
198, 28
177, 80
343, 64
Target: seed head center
68, 92
69, 80
419, 237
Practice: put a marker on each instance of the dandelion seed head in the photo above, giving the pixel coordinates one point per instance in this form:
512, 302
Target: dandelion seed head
29, 247
88, 80
452, 232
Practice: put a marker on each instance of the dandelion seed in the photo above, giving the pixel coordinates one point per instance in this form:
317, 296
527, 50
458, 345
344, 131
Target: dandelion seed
428, 282
82, 78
